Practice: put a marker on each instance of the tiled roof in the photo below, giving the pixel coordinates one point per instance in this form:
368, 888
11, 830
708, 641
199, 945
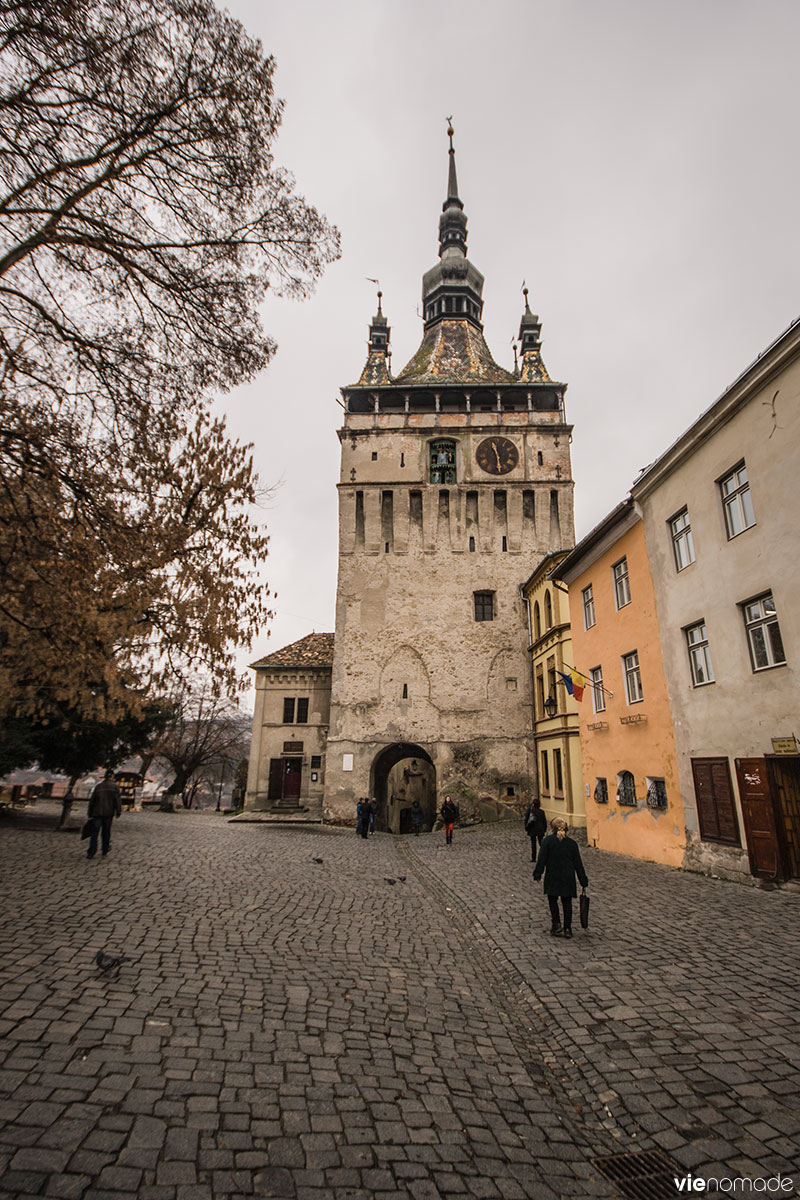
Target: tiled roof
453, 351
314, 650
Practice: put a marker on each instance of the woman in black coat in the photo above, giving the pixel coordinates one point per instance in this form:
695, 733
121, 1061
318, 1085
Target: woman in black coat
560, 862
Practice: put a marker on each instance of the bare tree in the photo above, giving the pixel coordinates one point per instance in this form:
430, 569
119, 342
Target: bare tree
143, 219
205, 733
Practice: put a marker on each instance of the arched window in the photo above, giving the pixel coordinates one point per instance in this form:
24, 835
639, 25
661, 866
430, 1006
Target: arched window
537, 621
443, 461
626, 789
548, 611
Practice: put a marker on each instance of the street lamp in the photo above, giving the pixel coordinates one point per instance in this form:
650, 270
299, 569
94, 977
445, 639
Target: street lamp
551, 706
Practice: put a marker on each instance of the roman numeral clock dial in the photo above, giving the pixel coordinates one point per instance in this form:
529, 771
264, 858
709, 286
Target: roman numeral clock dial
496, 455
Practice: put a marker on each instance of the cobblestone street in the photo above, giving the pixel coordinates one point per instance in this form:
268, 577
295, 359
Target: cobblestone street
391, 1021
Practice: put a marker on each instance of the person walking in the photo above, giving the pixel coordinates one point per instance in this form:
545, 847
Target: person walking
449, 816
535, 826
560, 862
104, 805
364, 806
416, 817
359, 815
373, 813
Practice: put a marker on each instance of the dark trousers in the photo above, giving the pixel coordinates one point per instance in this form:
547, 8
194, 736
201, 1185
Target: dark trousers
536, 844
554, 913
101, 826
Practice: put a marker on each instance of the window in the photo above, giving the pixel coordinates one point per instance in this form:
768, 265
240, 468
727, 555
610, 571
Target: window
405, 691
622, 586
736, 501
763, 633
587, 597
537, 620
626, 789
601, 790
484, 606
699, 654
316, 760
472, 545
545, 773
548, 611
288, 710
656, 793
302, 710
558, 772
682, 544
633, 677
443, 461
540, 691
598, 695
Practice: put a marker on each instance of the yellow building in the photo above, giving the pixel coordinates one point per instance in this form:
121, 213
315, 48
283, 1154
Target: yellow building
555, 713
630, 763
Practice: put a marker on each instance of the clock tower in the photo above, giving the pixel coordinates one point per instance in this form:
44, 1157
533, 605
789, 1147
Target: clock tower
455, 482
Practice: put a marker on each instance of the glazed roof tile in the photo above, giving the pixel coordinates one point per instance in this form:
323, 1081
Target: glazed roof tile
453, 351
314, 650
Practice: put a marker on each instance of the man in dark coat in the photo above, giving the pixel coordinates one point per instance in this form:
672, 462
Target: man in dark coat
104, 805
560, 862
535, 826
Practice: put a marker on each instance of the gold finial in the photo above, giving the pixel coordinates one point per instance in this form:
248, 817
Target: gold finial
450, 130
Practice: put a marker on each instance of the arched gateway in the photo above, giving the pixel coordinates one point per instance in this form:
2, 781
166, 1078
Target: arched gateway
401, 774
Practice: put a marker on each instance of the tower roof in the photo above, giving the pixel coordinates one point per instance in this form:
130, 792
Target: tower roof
532, 368
453, 348
376, 368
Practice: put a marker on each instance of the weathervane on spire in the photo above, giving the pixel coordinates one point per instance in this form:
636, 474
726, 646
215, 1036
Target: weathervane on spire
377, 283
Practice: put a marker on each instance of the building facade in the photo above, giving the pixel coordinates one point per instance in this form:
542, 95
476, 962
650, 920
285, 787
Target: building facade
455, 474
554, 709
286, 774
719, 511
630, 765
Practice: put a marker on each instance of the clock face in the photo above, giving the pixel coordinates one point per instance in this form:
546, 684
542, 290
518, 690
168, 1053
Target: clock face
497, 455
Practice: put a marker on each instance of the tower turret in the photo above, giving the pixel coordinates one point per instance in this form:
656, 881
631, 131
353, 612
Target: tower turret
376, 369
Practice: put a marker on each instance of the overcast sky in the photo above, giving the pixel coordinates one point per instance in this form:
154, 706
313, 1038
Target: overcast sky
635, 162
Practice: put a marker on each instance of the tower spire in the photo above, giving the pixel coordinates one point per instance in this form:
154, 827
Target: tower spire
453, 222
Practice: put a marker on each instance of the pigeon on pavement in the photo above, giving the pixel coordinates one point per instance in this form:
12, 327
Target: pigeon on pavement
108, 962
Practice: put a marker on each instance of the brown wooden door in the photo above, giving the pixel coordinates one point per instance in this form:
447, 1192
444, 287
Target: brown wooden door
759, 817
275, 791
292, 771
716, 811
784, 780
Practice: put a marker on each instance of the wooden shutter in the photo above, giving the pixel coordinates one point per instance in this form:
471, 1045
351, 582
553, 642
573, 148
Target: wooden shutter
716, 811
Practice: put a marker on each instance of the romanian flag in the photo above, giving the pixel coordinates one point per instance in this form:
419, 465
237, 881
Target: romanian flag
578, 684
574, 683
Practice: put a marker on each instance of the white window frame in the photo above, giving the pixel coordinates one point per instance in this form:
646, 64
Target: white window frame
622, 583
737, 503
680, 528
598, 692
632, 675
761, 618
700, 664
587, 598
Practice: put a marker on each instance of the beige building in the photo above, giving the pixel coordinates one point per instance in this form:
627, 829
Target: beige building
720, 514
556, 734
290, 725
455, 475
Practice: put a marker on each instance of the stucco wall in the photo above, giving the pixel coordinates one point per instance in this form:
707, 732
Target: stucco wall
273, 685
738, 714
646, 748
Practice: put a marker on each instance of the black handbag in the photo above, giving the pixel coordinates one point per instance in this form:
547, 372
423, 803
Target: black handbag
584, 909
87, 828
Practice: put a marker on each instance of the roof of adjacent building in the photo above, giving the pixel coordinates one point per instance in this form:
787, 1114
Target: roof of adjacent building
314, 650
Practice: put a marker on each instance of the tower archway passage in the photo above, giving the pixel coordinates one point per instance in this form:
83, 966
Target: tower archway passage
401, 774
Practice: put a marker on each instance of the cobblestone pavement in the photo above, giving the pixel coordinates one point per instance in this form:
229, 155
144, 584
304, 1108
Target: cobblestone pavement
392, 1021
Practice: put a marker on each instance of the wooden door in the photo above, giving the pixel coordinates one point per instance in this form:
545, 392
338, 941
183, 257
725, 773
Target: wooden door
759, 817
784, 780
293, 769
716, 812
275, 790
